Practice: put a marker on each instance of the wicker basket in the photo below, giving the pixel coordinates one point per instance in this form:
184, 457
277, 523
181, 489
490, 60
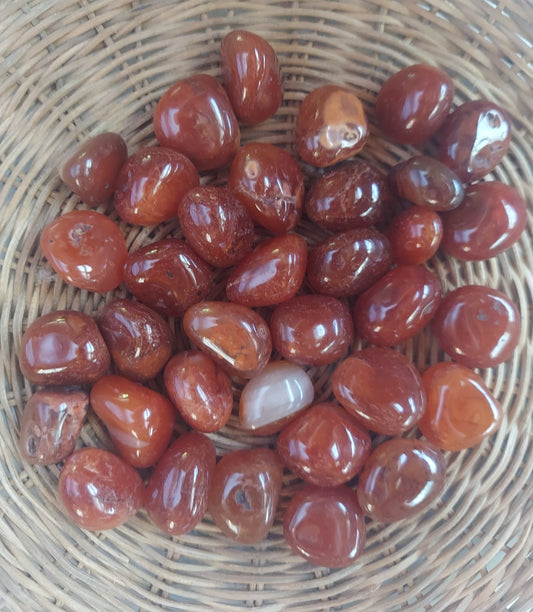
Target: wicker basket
71, 69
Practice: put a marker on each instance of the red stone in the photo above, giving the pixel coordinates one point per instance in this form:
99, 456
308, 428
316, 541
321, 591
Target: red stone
477, 326
177, 491
312, 329
381, 388
139, 420
195, 117
51, 424
324, 445
200, 390
91, 170
269, 182
64, 347
272, 273
245, 492
139, 340
216, 225
252, 76
99, 490
325, 525
491, 219
461, 411
413, 103
86, 249
415, 234
152, 183
397, 306
331, 126
400, 478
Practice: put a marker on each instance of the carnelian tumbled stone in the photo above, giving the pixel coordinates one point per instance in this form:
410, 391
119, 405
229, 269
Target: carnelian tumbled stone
252, 76
195, 117
271, 273
490, 219
414, 235
270, 183
460, 410
324, 445
397, 306
99, 490
200, 390
474, 139
274, 396
331, 126
139, 420
86, 249
413, 103
91, 170
400, 478
245, 492
354, 194
381, 388
216, 225
152, 183
176, 494
346, 264
168, 276
477, 326
51, 424
235, 336
325, 525
64, 347
139, 340
312, 329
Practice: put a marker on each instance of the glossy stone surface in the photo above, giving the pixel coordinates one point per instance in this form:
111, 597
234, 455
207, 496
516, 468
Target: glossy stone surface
245, 492
381, 388
477, 326
99, 490
427, 182
331, 126
324, 445
280, 391
91, 170
51, 424
235, 336
139, 340
415, 235
413, 103
313, 330
194, 116
491, 219
354, 194
86, 249
252, 76
461, 411
177, 491
152, 183
64, 347
216, 225
168, 276
346, 264
200, 390
474, 139
271, 273
269, 182
400, 478
399, 305
139, 420
325, 525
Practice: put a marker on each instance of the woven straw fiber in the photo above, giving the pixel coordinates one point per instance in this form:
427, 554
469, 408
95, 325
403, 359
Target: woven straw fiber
71, 69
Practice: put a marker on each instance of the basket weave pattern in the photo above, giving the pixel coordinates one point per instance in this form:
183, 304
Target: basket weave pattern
71, 69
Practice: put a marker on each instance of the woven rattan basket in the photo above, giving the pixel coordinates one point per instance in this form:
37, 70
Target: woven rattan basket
73, 68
